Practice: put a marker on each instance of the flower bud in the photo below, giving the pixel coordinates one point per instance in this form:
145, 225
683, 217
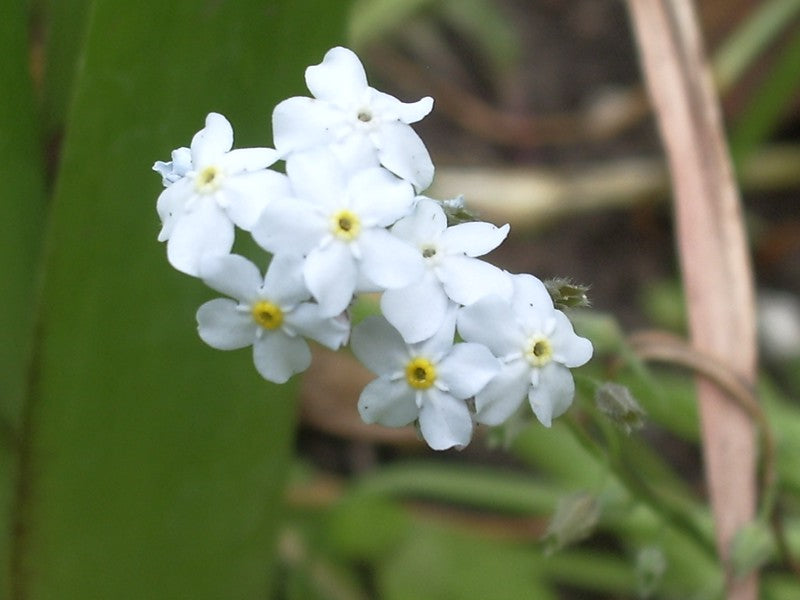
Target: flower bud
574, 520
457, 212
618, 404
566, 294
650, 567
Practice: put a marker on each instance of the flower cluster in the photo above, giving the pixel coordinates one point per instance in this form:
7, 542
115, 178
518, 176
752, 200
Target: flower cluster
458, 341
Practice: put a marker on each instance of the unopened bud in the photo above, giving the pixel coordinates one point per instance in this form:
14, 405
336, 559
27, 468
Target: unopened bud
567, 294
618, 404
457, 212
651, 564
575, 518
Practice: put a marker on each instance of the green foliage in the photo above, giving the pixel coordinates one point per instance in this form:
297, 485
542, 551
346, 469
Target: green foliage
23, 202
144, 469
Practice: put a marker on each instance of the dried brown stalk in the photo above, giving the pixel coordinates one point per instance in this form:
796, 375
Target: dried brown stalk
713, 253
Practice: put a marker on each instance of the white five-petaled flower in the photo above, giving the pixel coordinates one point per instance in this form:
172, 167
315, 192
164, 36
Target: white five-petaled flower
453, 274
338, 222
271, 313
210, 189
364, 126
427, 382
536, 345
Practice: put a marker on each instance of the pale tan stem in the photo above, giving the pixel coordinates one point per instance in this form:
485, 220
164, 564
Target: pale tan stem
713, 253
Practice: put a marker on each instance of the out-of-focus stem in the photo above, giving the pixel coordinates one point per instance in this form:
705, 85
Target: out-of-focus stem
713, 253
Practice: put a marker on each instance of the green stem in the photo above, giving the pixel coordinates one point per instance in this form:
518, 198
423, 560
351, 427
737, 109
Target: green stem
642, 492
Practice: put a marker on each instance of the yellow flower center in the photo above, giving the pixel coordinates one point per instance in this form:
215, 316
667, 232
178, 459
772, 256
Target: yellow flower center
267, 314
420, 373
345, 225
539, 351
208, 180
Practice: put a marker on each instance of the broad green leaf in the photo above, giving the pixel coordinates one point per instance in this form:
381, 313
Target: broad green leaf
22, 202
64, 26
156, 464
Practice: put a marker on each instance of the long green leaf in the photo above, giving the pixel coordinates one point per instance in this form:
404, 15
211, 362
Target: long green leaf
64, 27
154, 466
22, 202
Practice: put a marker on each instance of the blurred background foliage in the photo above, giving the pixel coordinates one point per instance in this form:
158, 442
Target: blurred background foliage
137, 463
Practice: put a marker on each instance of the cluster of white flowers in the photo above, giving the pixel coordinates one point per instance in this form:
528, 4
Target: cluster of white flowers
347, 217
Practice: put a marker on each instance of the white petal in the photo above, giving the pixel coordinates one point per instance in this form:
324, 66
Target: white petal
490, 322
553, 395
331, 332
570, 349
417, 310
388, 261
473, 239
444, 421
467, 369
284, 282
380, 197
175, 169
277, 356
531, 302
390, 403
222, 326
355, 151
441, 342
210, 143
406, 112
300, 123
249, 194
289, 226
317, 176
504, 394
331, 276
339, 78
205, 230
247, 159
424, 225
232, 275
402, 151
170, 206
379, 346
467, 280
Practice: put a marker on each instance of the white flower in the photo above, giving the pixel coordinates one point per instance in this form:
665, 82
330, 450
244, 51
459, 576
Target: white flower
363, 125
453, 275
427, 382
339, 223
536, 345
211, 190
271, 314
